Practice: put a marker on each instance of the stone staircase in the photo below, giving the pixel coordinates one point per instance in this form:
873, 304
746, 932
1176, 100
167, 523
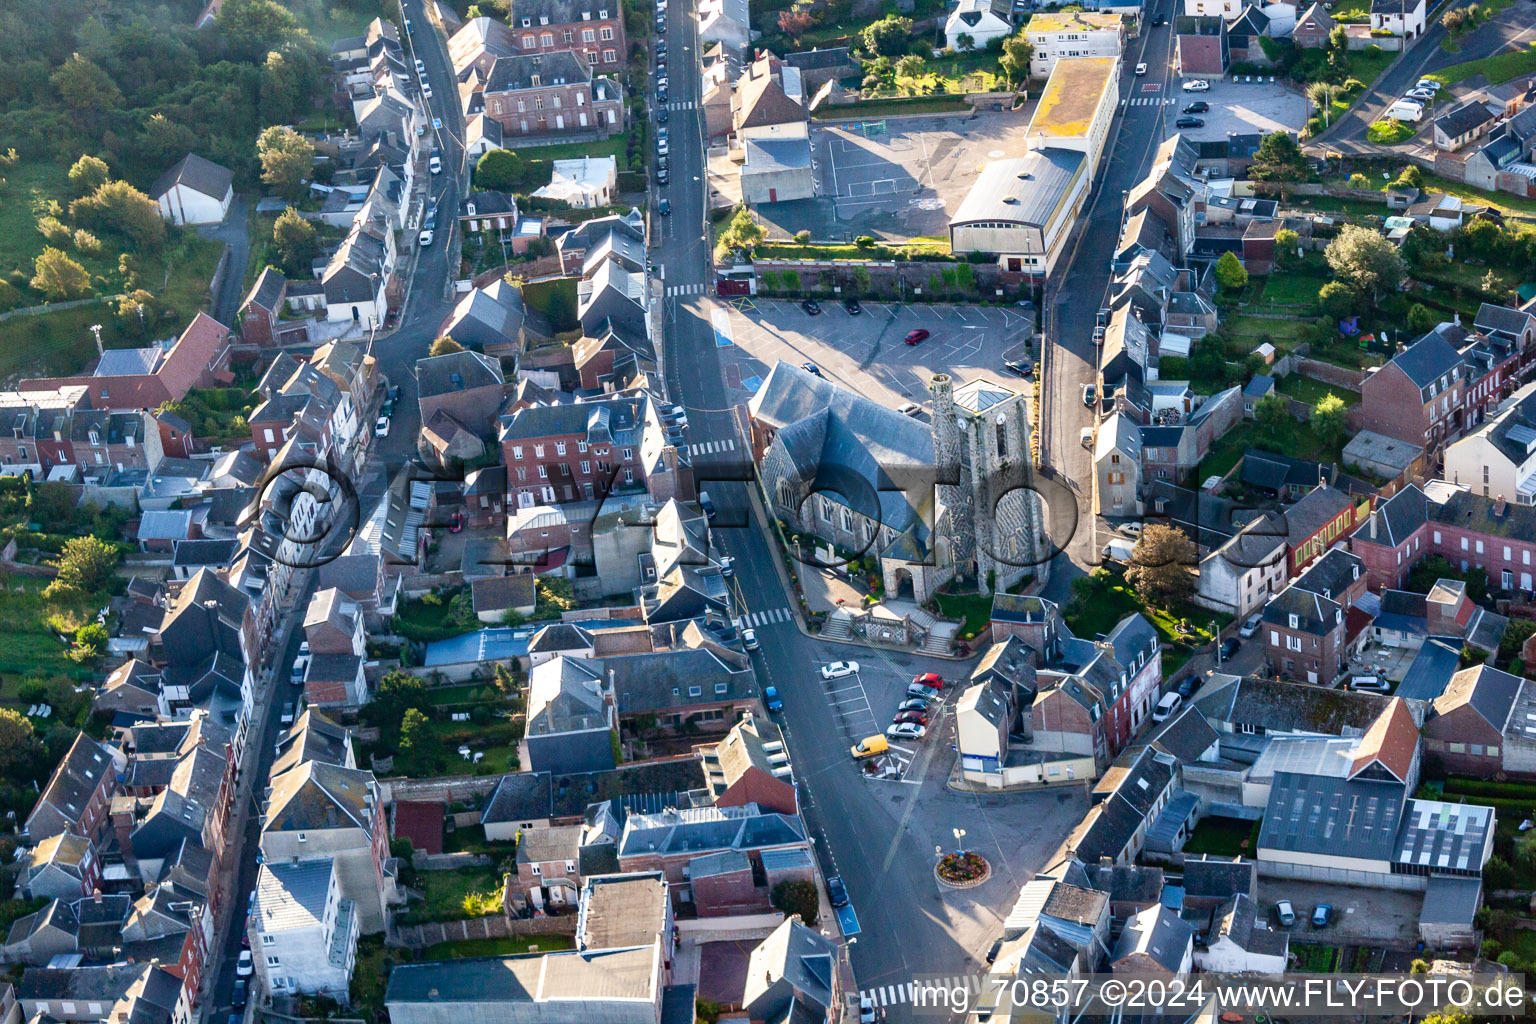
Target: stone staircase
838, 626
940, 639
922, 619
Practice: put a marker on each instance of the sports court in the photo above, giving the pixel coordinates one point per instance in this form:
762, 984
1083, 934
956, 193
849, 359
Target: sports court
867, 164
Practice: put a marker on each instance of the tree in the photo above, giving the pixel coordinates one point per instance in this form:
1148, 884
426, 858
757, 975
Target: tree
1230, 273
1420, 319
397, 694
419, 744
1163, 566
1272, 411
20, 749
287, 80
136, 310
795, 21
164, 140
910, 66
58, 277
1278, 160
887, 37
743, 232
90, 641
1338, 39
1286, 243
1018, 51
252, 27
967, 41
1337, 300
443, 346
1364, 259
286, 159
118, 206
1328, 419
500, 170
86, 563
294, 243
83, 87
88, 174
1454, 21
795, 897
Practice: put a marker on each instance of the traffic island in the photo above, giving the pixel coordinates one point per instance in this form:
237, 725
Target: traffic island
962, 870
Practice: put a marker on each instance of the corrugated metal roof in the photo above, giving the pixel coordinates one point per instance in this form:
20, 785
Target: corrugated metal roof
1025, 190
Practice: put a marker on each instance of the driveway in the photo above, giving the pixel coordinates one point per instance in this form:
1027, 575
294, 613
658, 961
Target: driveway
1377, 916
234, 232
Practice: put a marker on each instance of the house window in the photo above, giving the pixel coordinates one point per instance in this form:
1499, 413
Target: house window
1437, 536
538, 103
1479, 547
1463, 543
570, 867
607, 34
559, 447
608, 58
587, 36
566, 35
302, 839
538, 451
629, 476
535, 869
543, 472
517, 451
695, 691
529, 42
629, 453
547, 39
720, 688
581, 446
269, 940
1508, 579
273, 961
522, 474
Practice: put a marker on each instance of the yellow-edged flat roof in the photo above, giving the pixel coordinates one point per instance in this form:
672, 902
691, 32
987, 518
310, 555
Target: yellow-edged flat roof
1060, 21
1072, 94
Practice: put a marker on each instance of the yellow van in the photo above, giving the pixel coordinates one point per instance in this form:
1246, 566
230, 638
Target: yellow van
869, 746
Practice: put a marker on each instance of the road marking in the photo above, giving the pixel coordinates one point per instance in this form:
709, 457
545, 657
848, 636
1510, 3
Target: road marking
756, 620
893, 995
714, 447
685, 289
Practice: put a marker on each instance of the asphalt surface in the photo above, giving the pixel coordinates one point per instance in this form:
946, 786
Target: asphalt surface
427, 304
1514, 26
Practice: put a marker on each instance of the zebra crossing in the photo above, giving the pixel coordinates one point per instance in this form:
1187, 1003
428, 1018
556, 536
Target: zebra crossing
714, 447
1150, 101
685, 289
896, 995
681, 105
767, 618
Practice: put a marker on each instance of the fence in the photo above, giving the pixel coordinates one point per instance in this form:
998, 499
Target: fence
448, 861
52, 307
1330, 373
492, 926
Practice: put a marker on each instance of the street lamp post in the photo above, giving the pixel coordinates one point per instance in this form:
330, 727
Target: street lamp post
959, 840
96, 330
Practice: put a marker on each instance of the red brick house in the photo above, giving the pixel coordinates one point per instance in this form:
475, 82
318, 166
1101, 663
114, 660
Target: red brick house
1492, 364
751, 766
1418, 396
1391, 539
1068, 715
1304, 636
135, 379
1469, 530
560, 453
78, 796
1314, 523
546, 94
1204, 50
592, 28
261, 313
1464, 730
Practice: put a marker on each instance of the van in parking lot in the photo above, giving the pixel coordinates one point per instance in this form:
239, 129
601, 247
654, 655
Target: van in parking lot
1405, 110
869, 746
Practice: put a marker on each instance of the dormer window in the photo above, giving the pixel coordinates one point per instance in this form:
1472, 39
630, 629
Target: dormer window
526, 22
95, 438
1295, 621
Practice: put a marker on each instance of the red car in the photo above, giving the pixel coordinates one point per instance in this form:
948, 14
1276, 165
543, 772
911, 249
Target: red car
916, 717
913, 337
932, 679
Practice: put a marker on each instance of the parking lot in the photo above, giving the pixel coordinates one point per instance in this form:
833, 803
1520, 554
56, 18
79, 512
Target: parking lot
866, 352
896, 180
1377, 916
865, 703
1239, 107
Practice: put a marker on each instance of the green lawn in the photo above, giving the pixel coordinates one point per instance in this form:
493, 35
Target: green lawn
1313, 958
1294, 438
472, 840
975, 611
1284, 334
1312, 390
974, 72
1223, 837
1113, 600
1499, 68
540, 159
1298, 285
513, 945
892, 107
455, 895
29, 643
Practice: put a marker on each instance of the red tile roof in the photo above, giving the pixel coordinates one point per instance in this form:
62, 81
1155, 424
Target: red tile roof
1392, 740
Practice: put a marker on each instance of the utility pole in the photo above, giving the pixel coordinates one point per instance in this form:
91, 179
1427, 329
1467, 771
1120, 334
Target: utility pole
96, 330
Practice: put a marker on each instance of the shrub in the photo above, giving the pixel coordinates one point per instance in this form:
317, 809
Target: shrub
54, 230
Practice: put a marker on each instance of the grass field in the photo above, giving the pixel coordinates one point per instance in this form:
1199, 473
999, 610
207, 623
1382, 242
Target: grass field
1222, 837
59, 343
1114, 601
974, 72
455, 895
1499, 68
29, 643
1312, 391
1294, 438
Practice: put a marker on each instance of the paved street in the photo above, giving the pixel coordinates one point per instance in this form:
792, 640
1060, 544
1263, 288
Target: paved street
1513, 28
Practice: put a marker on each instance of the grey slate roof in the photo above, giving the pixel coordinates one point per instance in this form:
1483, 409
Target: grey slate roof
1427, 360
1210, 877
1451, 900
1187, 736
1319, 508
1158, 933
1325, 816
196, 173
1314, 613
1488, 691
1278, 706
1457, 121
1493, 319
1397, 518
515, 73
290, 896
708, 829
1331, 574
1437, 661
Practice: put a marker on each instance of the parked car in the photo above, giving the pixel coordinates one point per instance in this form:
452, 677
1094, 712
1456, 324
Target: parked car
426, 89
853, 307
915, 717
1197, 107
1321, 915
772, 699
1167, 706
1285, 913
394, 393
241, 994
661, 147
1189, 122
811, 368
1186, 687
931, 679
1020, 367
866, 1009
421, 68
913, 704
1131, 529
1160, 22
288, 710
811, 307
839, 669
662, 116
425, 238
664, 207
749, 639
909, 408
1196, 85
244, 965
922, 692
662, 177
1432, 84
906, 731
1251, 626
837, 892
707, 505
1089, 391
435, 163
997, 947
661, 95
1229, 647
913, 337
408, 30
381, 428
1141, 69
1370, 684
869, 746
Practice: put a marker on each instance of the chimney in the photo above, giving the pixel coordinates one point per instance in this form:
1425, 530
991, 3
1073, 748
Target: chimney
1373, 526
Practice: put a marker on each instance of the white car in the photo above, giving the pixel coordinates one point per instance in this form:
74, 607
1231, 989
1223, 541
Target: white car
426, 89
905, 731
1433, 85
839, 669
244, 965
1196, 85
1251, 626
1131, 529
425, 238
909, 408
1141, 69
1167, 706
866, 1009
421, 69
435, 165
381, 428
749, 639
287, 716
